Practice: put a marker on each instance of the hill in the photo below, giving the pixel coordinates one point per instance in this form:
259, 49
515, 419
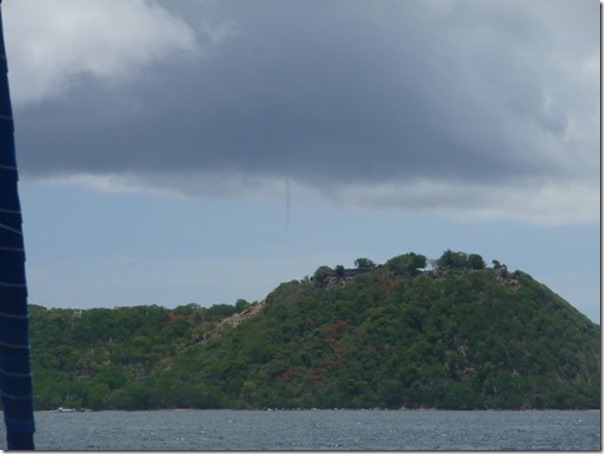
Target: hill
457, 335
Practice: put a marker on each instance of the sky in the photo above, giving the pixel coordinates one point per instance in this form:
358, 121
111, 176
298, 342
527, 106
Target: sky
201, 151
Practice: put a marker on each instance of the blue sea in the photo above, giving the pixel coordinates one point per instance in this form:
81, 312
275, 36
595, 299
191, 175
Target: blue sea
307, 430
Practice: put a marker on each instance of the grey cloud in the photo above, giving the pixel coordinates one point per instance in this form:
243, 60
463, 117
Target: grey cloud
338, 92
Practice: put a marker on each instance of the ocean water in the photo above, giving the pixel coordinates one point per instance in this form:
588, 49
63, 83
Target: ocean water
318, 430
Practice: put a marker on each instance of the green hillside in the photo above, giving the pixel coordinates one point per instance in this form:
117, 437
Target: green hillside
455, 335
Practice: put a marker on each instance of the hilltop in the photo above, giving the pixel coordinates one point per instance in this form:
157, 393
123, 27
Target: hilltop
454, 334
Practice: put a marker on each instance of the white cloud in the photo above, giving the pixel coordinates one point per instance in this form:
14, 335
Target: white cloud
492, 115
539, 203
49, 43
109, 184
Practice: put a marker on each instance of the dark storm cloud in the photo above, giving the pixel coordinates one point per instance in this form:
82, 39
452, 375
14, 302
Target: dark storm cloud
331, 92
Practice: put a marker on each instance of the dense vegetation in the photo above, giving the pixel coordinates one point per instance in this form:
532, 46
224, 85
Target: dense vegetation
456, 335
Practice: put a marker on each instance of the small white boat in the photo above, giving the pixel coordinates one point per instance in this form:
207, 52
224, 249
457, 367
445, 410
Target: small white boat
63, 410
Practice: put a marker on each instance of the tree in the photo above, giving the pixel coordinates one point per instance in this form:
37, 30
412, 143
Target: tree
340, 271
364, 264
242, 305
321, 274
460, 260
406, 264
187, 309
451, 260
476, 262
219, 311
97, 393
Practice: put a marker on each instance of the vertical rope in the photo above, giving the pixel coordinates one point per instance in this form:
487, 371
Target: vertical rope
15, 370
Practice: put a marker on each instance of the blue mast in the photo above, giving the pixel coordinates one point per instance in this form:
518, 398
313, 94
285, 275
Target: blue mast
15, 369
